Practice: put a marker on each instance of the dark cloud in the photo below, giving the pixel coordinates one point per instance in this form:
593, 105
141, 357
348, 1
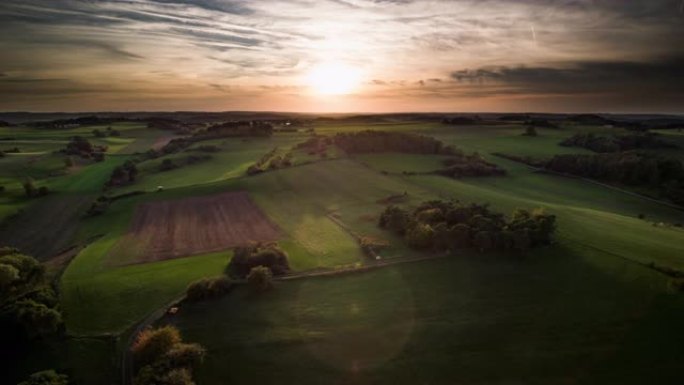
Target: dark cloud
659, 76
225, 6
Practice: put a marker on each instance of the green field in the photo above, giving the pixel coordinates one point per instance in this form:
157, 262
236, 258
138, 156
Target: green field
586, 310
553, 316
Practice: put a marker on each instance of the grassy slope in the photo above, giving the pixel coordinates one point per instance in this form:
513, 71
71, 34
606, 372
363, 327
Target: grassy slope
555, 317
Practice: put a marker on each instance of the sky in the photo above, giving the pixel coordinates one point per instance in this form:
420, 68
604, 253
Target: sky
342, 55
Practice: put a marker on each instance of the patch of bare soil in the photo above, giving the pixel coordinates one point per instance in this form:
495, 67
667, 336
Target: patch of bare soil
197, 225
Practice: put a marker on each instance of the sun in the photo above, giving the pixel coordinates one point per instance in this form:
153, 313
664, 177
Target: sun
334, 79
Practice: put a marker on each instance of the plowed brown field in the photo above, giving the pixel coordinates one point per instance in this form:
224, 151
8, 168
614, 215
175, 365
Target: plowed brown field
178, 228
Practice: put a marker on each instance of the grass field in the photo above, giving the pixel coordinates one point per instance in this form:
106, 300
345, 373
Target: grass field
561, 315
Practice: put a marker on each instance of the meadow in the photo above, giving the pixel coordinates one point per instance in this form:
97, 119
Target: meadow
585, 310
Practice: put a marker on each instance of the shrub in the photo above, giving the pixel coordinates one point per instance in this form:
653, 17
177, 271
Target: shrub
260, 279
185, 356
46, 377
8, 275
208, 288
37, 319
29, 187
165, 359
677, 284
152, 344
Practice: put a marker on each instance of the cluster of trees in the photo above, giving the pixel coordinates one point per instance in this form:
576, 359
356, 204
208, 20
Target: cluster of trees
29, 306
82, 147
270, 161
208, 288
267, 255
616, 143
370, 141
451, 225
460, 165
108, 132
630, 168
243, 128
122, 175
164, 359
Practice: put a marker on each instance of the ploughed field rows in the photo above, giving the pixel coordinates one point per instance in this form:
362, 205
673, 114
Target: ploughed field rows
179, 228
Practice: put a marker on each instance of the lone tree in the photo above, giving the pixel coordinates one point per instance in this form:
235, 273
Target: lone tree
260, 279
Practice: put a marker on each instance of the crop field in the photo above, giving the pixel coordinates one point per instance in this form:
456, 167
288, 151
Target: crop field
199, 225
583, 310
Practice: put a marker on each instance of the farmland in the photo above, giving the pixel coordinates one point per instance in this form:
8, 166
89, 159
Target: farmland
171, 229
589, 308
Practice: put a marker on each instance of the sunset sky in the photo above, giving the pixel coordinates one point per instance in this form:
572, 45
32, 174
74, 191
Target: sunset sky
342, 55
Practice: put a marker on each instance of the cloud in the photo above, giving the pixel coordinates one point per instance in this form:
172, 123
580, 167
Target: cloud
661, 75
441, 49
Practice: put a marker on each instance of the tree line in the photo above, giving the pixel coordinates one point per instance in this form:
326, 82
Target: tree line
369, 141
615, 142
445, 226
630, 168
246, 128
